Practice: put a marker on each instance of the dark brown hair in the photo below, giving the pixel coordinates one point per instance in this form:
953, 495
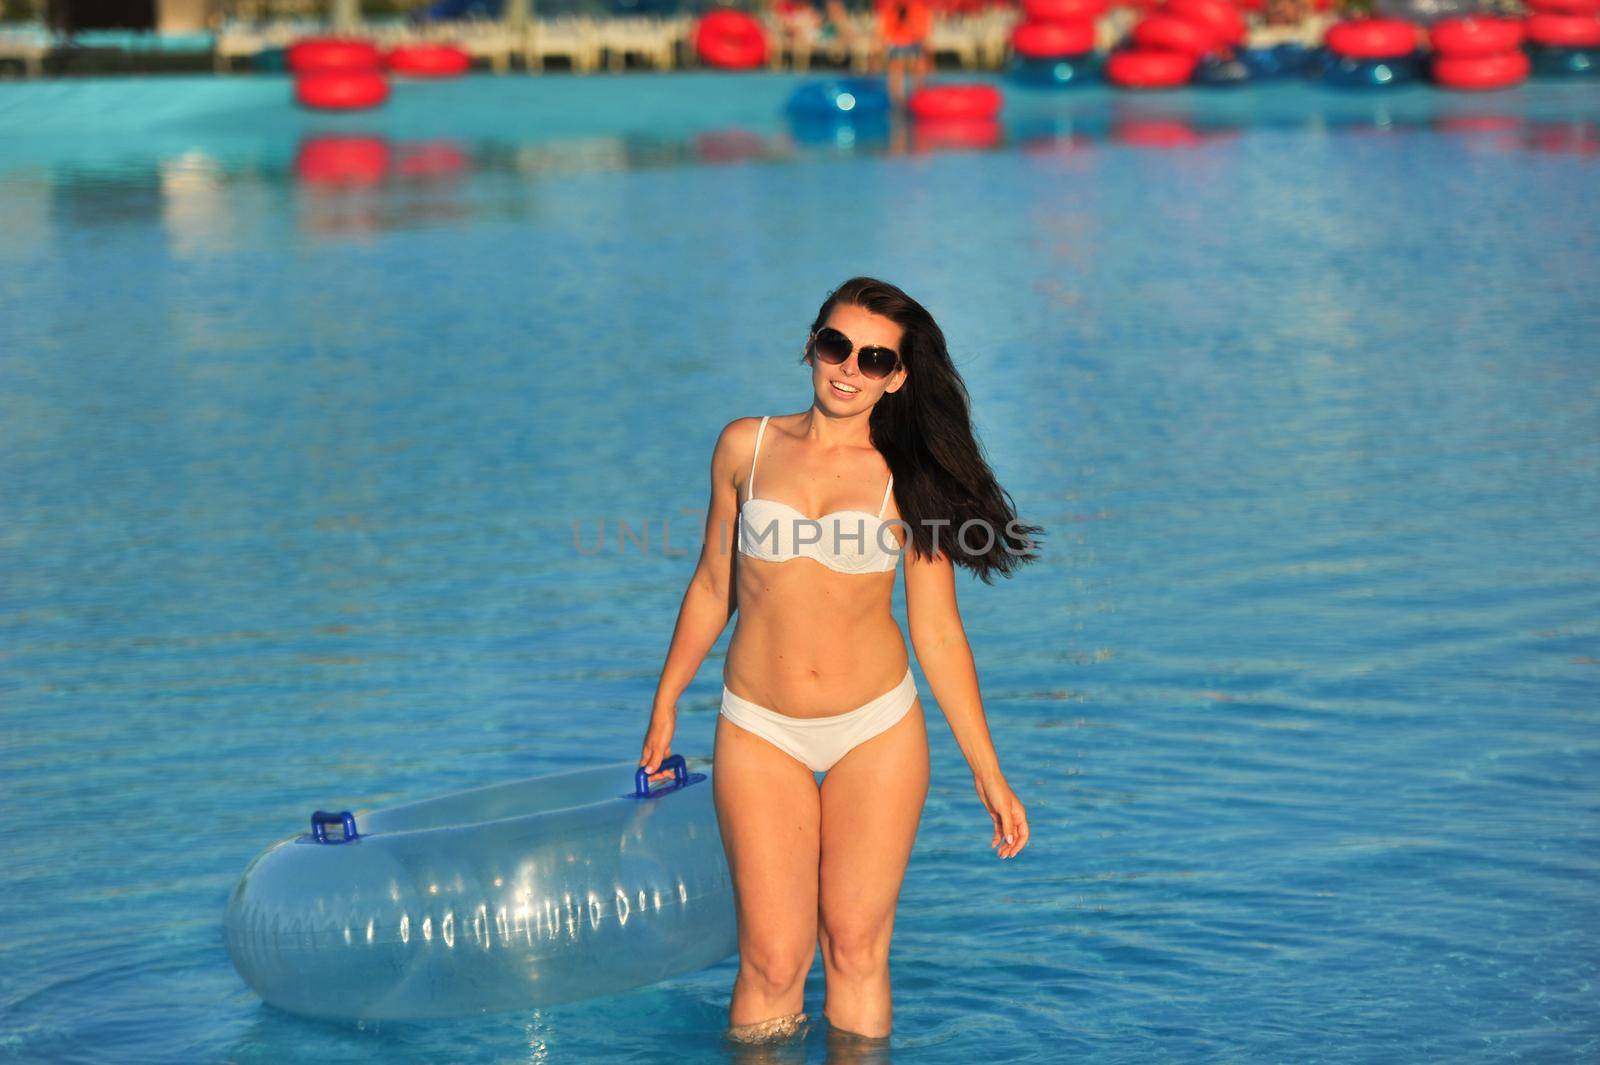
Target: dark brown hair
942, 479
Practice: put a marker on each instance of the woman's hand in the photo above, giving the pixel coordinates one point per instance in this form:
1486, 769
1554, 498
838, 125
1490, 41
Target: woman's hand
1010, 819
658, 741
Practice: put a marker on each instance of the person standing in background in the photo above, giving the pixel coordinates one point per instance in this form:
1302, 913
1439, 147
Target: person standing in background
903, 28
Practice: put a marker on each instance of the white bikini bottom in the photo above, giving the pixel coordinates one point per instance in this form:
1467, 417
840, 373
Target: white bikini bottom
819, 742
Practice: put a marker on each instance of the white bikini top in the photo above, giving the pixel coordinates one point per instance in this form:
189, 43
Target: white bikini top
847, 541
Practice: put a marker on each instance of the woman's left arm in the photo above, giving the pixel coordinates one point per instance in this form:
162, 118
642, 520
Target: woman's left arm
940, 643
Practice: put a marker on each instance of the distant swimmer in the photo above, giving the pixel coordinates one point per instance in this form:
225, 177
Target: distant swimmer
903, 29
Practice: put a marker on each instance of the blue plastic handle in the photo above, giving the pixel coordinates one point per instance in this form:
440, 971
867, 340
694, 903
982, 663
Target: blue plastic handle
322, 819
680, 777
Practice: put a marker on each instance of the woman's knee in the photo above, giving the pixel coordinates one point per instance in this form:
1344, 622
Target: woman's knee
775, 970
855, 950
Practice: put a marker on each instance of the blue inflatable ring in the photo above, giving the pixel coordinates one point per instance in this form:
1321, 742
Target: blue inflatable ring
1551, 62
1064, 71
1344, 73
1277, 61
839, 98
1222, 73
510, 896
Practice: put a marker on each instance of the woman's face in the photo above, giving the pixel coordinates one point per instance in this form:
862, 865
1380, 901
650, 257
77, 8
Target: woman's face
844, 389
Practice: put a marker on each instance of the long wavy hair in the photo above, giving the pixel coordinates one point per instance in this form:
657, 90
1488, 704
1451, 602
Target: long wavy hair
924, 431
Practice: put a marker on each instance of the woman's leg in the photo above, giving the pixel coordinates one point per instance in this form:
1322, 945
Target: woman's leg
769, 813
871, 804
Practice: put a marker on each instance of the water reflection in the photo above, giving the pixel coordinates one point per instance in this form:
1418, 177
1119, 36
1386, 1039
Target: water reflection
342, 161
952, 134
195, 210
1166, 131
1580, 137
208, 199
335, 170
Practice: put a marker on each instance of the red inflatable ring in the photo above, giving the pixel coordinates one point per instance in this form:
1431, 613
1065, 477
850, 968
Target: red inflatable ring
730, 39
428, 60
1219, 17
1372, 38
1482, 71
1053, 40
1470, 36
341, 91
1063, 10
1168, 33
1138, 68
955, 102
1566, 7
320, 54
1564, 31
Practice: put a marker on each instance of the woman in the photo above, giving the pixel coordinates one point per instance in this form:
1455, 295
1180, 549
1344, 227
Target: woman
816, 679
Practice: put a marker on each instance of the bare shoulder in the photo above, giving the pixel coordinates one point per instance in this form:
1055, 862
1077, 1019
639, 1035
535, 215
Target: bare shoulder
736, 443
739, 434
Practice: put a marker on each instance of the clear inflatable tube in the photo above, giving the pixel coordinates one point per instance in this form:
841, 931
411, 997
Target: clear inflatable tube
510, 896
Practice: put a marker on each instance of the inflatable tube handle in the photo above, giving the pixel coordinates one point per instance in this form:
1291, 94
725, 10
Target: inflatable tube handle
322, 819
680, 777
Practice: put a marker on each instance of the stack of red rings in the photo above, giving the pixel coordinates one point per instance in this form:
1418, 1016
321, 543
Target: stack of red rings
1564, 37
1167, 43
1565, 23
1477, 53
337, 73
1056, 29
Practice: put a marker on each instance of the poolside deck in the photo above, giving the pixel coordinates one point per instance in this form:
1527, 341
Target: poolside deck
579, 44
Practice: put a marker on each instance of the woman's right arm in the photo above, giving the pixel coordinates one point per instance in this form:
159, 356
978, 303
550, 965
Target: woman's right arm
709, 601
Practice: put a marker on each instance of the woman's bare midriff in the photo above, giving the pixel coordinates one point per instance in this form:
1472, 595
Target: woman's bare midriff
811, 642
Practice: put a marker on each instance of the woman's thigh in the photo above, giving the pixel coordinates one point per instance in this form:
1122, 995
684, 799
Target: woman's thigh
872, 802
769, 814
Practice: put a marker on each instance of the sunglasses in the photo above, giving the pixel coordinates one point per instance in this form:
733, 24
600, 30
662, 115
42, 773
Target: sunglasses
833, 347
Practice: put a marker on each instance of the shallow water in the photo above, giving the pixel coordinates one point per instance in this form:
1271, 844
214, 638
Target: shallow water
297, 416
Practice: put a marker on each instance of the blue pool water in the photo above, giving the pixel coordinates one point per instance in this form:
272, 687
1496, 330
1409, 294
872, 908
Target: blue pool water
297, 415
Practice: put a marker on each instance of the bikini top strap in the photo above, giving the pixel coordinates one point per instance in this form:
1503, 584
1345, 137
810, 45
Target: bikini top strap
753, 454
886, 492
